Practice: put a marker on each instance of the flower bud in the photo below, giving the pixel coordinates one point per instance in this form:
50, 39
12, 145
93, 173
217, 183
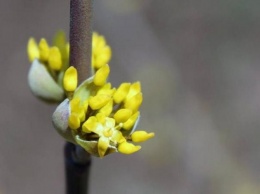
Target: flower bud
60, 121
70, 80
128, 148
101, 75
141, 136
42, 84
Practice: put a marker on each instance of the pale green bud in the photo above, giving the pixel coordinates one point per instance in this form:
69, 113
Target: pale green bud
42, 84
60, 121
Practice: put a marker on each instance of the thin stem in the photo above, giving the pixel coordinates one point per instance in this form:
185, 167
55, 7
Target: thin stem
81, 36
77, 160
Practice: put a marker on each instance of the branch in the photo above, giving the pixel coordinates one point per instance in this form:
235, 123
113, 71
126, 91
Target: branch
81, 37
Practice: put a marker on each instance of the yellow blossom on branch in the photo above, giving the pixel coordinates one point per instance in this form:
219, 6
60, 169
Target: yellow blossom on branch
95, 115
52, 60
102, 119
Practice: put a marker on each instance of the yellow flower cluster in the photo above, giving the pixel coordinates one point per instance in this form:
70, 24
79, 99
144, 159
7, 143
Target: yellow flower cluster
104, 114
55, 58
100, 118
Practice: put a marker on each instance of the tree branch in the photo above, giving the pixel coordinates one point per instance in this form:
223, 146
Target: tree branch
81, 37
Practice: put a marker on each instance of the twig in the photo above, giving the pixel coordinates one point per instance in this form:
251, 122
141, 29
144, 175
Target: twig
81, 36
77, 160
77, 172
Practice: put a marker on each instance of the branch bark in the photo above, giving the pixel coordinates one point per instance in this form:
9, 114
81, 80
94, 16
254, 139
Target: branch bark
77, 160
81, 37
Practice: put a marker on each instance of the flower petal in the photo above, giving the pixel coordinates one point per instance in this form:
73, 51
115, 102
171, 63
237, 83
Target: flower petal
122, 115
103, 144
101, 75
70, 80
128, 148
121, 93
54, 60
32, 49
141, 136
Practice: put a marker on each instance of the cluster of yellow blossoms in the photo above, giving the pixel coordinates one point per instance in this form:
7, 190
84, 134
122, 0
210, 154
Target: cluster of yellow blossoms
105, 115
49, 63
96, 116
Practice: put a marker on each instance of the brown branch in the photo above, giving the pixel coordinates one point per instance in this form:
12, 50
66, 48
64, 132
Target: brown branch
81, 37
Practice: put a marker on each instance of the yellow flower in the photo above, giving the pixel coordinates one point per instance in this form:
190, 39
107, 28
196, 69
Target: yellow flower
121, 92
53, 61
128, 148
101, 52
70, 80
102, 119
44, 49
101, 75
122, 115
106, 130
54, 58
140, 136
131, 121
32, 50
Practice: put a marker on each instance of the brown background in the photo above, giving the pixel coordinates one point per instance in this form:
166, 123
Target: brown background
198, 62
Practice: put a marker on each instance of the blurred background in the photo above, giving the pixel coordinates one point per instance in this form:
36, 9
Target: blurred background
198, 62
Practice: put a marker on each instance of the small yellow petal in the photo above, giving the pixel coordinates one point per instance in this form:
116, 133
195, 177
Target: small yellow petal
103, 57
121, 92
117, 137
131, 121
110, 122
135, 88
101, 118
32, 50
74, 105
99, 44
44, 49
79, 108
101, 75
82, 115
103, 144
141, 136
74, 121
101, 52
122, 115
106, 89
107, 109
90, 125
70, 79
85, 105
128, 148
97, 102
54, 59
134, 102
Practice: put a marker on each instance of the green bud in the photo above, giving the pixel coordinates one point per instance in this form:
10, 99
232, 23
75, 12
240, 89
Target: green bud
60, 121
42, 84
